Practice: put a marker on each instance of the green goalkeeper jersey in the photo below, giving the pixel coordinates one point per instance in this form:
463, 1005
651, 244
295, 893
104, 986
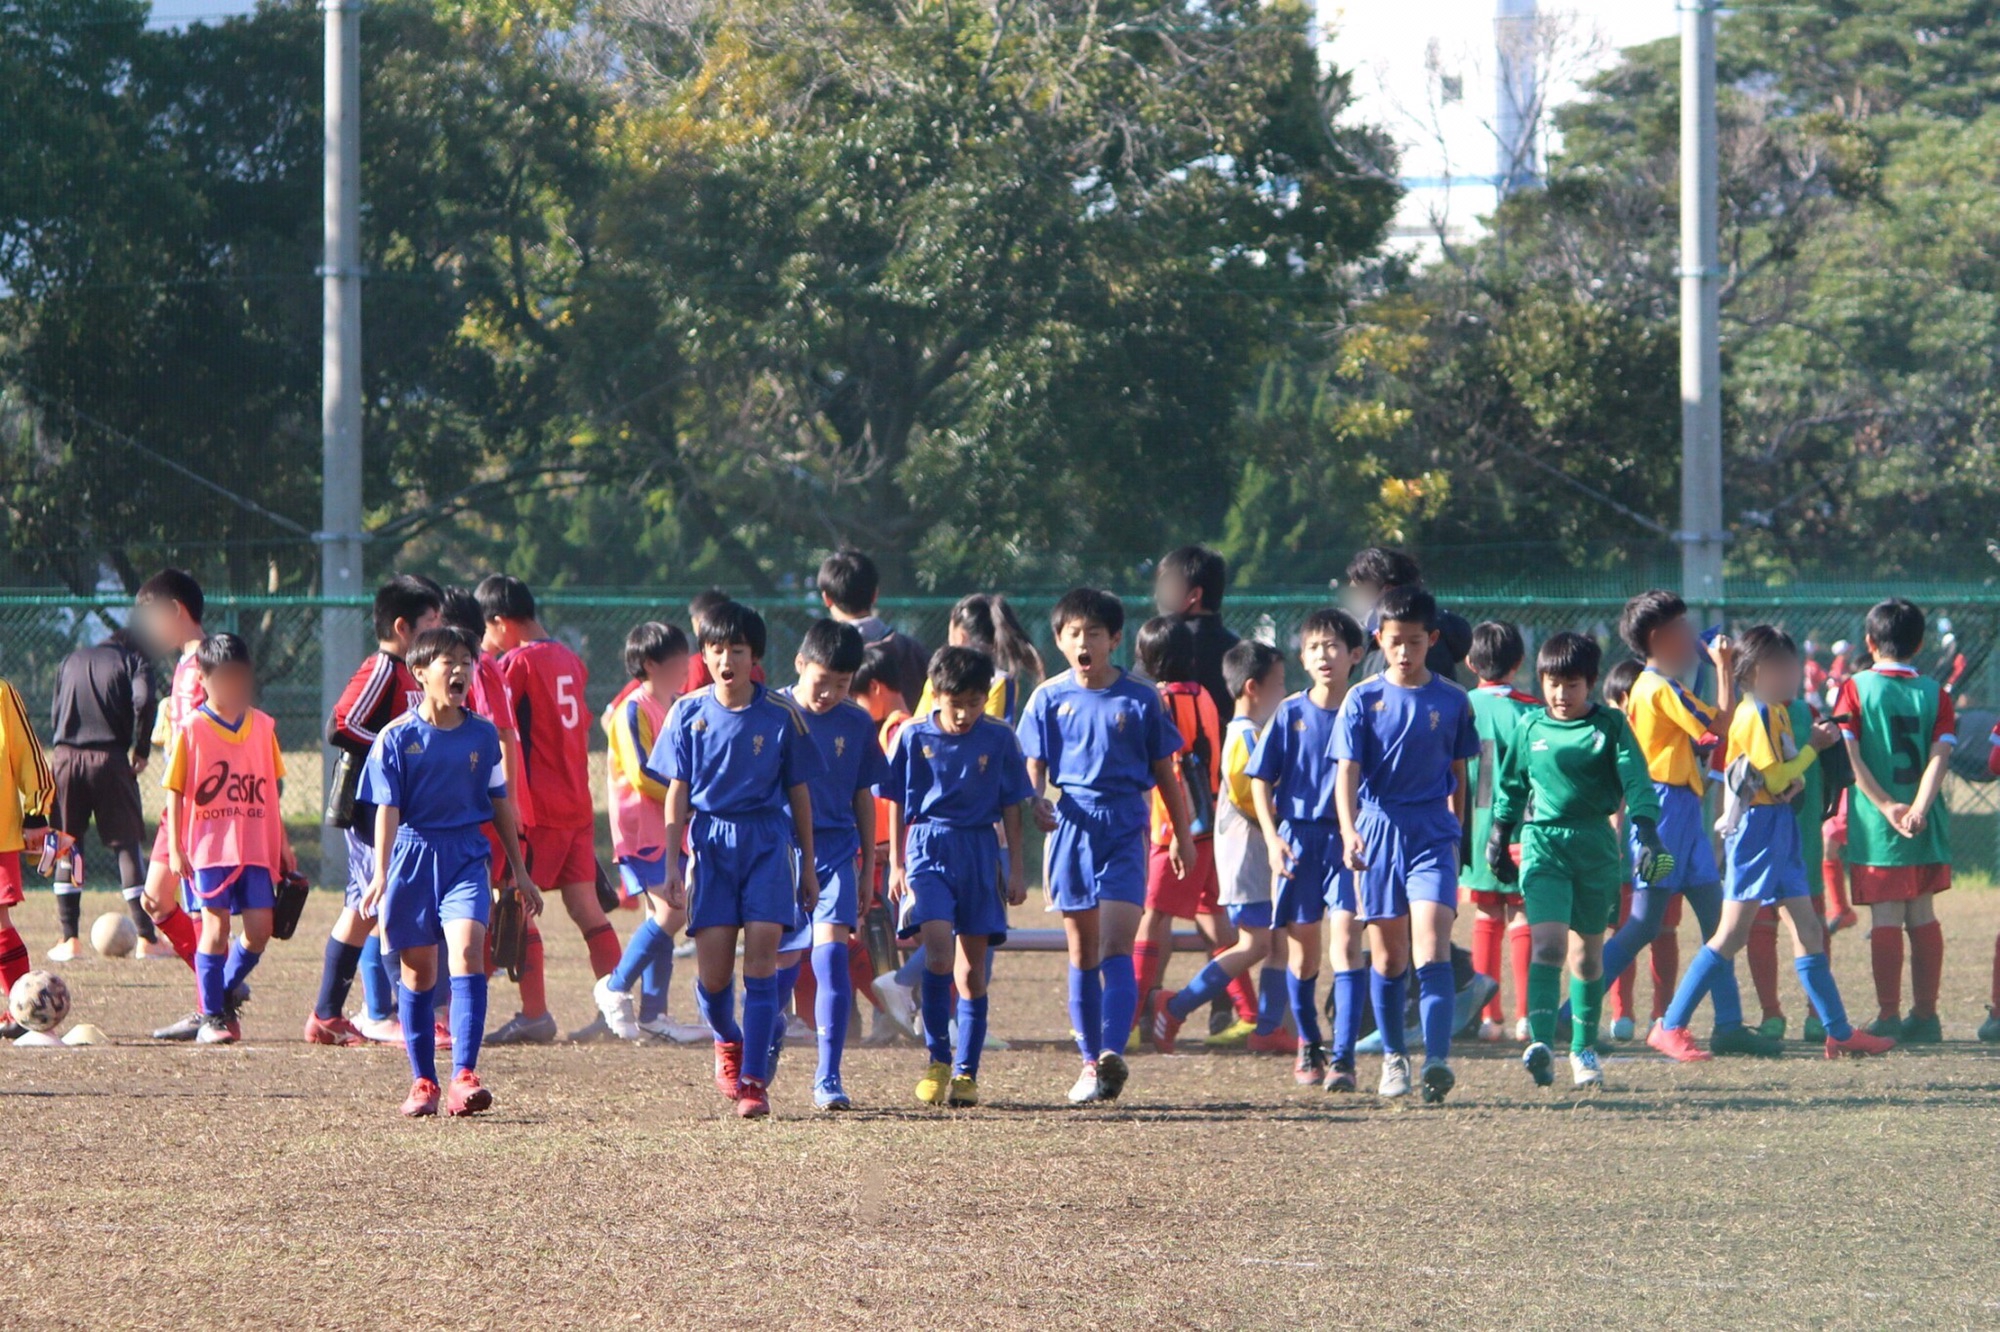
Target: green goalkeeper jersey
1574, 772
1497, 710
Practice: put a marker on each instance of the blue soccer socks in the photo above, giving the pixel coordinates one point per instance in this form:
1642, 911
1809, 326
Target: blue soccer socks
208, 971
1210, 981
1390, 995
832, 1005
718, 1010
1086, 1010
1437, 1000
336, 977
1303, 992
1816, 978
760, 1024
1350, 995
468, 1020
638, 955
1121, 1002
419, 1017
971, 1036
1704, 974
936, 991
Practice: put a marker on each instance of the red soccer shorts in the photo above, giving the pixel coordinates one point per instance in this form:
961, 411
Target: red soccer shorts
559, 856
1896, 883
10, 878
1183, 899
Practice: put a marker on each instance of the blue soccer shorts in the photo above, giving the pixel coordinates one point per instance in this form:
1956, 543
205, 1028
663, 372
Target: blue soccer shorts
1765, 858
234, 889
1319, 876
1097, 854
1684, 831
837, 861
954, 874
742, 871
1408, 860
434, 878
642, 874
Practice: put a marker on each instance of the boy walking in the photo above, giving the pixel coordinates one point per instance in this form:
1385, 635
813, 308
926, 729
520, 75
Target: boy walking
952, 775
1103, 741
435, 778
226, 831
1497, 709
1403, 739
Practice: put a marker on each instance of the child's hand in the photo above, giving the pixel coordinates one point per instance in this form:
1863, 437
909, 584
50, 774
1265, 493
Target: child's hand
1898, 814
1354, 851
1017, 883
1279, 851
371, 900
1045, 814
177, 862
531, 897
1182, 856
675, 890
1825, 735
1722, 652
1913, 822
1794, 791
899, 885
808, 888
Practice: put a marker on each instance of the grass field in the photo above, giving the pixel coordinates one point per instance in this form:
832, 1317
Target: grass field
273, 1185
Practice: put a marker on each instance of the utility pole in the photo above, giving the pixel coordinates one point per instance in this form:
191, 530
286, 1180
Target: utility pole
342, 641
1515, 91
1701, 533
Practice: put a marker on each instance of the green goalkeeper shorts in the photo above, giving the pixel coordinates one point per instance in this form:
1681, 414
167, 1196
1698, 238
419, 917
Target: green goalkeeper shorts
1571, 874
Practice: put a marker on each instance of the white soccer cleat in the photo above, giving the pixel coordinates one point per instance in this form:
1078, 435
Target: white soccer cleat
616, 1008
382, 1031
680, 1033
69, 950
1395, 1076
1086, 1089
1584, 1070
1520, 1029
899, 1004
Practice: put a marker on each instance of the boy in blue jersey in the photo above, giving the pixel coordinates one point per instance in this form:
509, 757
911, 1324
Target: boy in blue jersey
436, 777
843, 808
737, 761
1403, 740
1103, 740
1292, 781
954, 773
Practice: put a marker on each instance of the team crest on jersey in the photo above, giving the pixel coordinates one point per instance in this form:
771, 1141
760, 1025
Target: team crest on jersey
929, 752
700, 724
1436, 717
982, 762
839, 745
1118, 721
1066, 710
757, 745
1378, 705
472, 761
1299, 725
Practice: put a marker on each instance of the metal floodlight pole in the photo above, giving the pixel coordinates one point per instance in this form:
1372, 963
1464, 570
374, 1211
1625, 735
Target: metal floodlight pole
1701, 533
342, 642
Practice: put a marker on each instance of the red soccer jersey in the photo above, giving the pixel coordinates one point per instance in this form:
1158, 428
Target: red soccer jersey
547, 681
380, 690
492, 699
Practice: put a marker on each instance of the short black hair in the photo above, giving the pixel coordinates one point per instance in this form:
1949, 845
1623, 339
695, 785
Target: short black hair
1407, 604
1383, 567
404, 597
652, 641
223, 649
1895, 626
960, 670
174, 585
850, 581
1164, 649
733, 622
702, 602
1644, 614
1496, 651
878, 666
505, 597
833, 646
1569, 656
1092, 606
1201, 569
434, 643
461, 611
1248, 660
1333, 622
1758, 644
1618, 681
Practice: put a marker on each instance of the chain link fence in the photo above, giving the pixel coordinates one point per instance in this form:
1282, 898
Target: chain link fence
37, 631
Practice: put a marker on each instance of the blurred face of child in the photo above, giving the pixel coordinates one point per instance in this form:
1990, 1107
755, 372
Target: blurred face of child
159, 624
1086, 645
1262, 697
1674, 645
665, 677
447, 678
880, 700
231, 686
406, 632
1568, 696
821, 688
960, 712
1775, 679
1327, 660
1404, 645
729, 663
1171, 594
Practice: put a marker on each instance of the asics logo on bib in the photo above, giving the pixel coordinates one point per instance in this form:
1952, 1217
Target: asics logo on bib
242, 788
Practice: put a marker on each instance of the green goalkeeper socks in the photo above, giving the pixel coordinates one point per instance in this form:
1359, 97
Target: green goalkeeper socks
1544, 992
1586, 1001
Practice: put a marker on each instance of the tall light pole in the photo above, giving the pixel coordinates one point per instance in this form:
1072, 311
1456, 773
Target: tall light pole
341, 639
1701, 533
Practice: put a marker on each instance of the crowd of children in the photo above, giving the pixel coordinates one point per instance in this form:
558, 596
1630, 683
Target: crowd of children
810, 836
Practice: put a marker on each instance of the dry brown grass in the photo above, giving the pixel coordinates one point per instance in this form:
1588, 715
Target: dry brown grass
273, 1185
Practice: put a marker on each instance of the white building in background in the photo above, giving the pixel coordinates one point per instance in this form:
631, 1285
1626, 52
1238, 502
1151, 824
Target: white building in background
1466, 88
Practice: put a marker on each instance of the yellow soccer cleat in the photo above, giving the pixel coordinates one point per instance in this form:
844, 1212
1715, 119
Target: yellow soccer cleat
964, 1091
1231, 1037
935, 1085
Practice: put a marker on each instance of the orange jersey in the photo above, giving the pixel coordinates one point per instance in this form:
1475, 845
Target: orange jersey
1200, 726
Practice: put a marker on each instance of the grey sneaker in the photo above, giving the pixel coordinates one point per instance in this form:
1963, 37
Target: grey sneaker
1584, 1070
184, 1030
214, 1030
523, 1030
1395, 1076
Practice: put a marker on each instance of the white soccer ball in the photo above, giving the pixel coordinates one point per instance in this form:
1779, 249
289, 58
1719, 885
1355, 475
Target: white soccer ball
39, 1001
114, 935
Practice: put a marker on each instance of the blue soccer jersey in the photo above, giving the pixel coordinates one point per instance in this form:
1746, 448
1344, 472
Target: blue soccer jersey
439, 781
1406, 741
1295, 755
851, 759
736, 762
1100, 744
960, 781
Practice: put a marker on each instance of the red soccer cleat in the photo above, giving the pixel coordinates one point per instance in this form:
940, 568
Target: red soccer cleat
1165, 1026
1843, 919
442, 1034
1860, 1042
1676, 1043
729, 1069
467, 1097
752, 1101
1271, 1042
422, 1100
332, 1031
